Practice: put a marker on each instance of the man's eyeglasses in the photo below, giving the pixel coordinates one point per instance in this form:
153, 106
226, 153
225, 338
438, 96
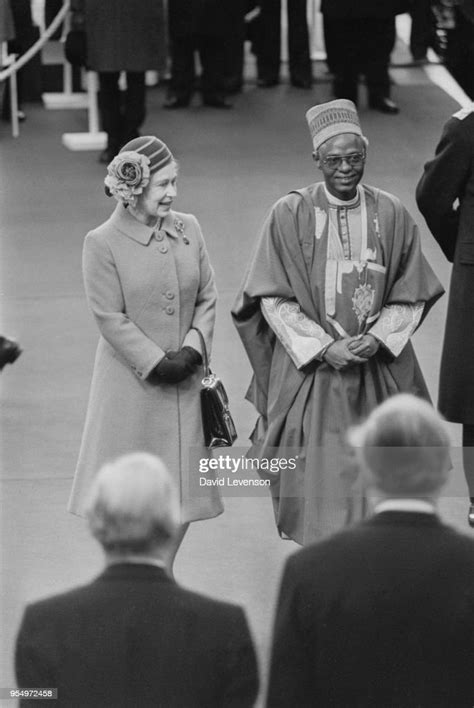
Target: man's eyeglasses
355, 159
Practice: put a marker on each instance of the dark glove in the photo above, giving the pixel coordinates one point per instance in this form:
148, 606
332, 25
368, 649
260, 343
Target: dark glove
9, 351
176, 366
189, 355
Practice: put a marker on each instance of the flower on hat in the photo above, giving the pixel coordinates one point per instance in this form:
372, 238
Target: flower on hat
127, 176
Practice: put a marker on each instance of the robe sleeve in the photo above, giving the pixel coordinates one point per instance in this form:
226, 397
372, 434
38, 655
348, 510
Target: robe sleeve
302, 338
412, 285
396, 324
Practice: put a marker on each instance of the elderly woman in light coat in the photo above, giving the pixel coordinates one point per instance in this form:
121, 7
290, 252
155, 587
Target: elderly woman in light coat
150, 287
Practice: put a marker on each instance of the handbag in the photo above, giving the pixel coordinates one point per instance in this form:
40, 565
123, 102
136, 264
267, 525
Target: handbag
218, 426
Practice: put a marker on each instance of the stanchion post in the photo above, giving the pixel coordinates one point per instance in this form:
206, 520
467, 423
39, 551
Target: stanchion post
92, 89
14, 105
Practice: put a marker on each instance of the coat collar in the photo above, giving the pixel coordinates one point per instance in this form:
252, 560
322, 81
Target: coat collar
131, 227
134, 571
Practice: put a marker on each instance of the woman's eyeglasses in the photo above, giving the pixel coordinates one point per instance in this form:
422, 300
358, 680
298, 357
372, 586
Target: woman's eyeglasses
355, 159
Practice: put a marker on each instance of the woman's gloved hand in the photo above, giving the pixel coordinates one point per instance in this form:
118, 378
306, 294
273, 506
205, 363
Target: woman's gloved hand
176, 366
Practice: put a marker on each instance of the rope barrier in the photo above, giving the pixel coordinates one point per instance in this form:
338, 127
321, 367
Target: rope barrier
34, 49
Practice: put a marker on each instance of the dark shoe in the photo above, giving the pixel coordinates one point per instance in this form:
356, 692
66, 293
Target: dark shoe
9, 351
173, 103
304, 83
267, 83
470, 516
384, 105
216, 102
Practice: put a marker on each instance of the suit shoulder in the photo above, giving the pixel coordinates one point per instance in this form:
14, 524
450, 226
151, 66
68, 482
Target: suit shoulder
460, 127
208, 605
54, 605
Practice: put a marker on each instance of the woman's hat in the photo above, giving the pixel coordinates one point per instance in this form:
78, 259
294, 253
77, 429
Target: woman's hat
153, 148
333, 118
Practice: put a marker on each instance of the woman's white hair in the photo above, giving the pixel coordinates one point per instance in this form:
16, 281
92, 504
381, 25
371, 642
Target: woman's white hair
133, 504
403, 447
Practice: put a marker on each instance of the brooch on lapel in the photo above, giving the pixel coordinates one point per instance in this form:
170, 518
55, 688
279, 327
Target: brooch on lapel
179, 226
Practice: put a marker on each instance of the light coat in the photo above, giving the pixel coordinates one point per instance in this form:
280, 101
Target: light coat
147, 289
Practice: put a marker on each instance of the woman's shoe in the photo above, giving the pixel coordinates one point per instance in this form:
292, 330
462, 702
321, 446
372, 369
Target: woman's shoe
470, 516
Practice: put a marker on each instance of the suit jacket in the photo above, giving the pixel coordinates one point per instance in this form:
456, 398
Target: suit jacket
123, 35
380, 615
448, 177
348, 9
133, 637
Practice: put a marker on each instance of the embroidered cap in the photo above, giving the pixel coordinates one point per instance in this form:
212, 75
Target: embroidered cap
333, 118
155, 149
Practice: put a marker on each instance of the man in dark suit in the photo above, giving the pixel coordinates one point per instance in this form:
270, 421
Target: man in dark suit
445, 197
382, 615
203, 26
269, 44
361, 36
133, 637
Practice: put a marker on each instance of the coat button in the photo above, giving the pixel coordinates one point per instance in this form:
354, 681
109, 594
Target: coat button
159, 236
169, 295
163, 249
169, 310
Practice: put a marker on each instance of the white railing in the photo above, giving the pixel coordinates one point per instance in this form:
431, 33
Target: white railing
14, 66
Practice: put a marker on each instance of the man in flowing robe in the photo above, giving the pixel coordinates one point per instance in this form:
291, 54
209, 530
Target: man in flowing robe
335, 289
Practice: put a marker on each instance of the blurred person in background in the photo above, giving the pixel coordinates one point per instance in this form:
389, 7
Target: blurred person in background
445, 197
269, 44
333, 293
133, 637
365, 35
422, 29
122, 36
459, 54
381, 614
149, 285
202, 26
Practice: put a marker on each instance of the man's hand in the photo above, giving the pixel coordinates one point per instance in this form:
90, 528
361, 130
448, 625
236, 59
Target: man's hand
339, 355
366, 346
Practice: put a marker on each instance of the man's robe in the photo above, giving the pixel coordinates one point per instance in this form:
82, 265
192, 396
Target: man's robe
306, 411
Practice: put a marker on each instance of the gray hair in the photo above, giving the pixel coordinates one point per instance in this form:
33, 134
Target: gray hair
133, 504
403, 447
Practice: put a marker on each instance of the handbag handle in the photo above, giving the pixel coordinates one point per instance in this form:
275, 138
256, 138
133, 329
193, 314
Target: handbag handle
204, 352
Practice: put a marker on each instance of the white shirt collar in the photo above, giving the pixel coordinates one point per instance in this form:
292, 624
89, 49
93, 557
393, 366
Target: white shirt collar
138, 560
413, 505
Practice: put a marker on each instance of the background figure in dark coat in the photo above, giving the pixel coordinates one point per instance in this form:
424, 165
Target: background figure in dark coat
422, 28
203, 26
133, 637
122, 36
268, 51
23, 36
381, 615
449, 177
459, 57
365, 32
